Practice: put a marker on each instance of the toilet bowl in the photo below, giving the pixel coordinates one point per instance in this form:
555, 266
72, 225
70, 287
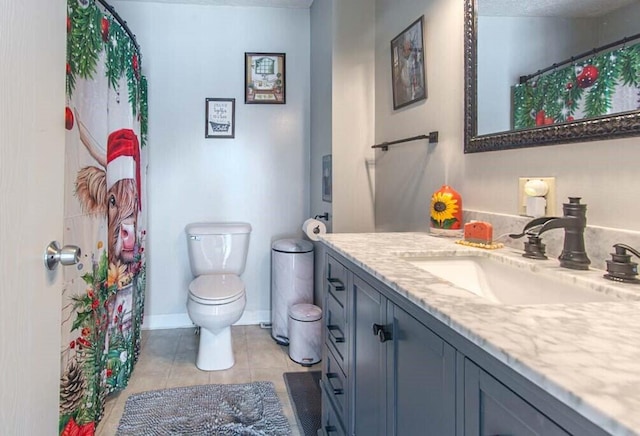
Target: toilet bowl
215, 302
216, 298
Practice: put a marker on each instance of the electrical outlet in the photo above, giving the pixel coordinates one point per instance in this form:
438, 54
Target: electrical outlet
550, 197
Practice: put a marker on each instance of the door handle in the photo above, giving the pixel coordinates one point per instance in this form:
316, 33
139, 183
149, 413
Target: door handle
67, 255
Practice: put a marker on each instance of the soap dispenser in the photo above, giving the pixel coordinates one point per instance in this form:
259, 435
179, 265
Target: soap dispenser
620, 268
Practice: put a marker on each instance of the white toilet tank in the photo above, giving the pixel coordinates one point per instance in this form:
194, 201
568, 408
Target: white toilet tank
218, 248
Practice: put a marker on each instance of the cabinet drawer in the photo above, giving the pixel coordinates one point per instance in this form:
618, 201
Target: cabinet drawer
331, 425
336, 280
335, 383
335, 328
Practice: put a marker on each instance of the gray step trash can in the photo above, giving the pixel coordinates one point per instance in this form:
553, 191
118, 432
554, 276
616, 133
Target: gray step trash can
305, 334
291, 282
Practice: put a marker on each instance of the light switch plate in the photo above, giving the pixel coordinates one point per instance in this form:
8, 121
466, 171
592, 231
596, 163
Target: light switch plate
550, 197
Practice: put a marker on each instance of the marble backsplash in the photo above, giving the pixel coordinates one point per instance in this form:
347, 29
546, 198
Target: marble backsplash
598, 240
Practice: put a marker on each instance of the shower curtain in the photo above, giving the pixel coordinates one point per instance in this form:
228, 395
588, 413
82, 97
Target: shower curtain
105, 204
605, 83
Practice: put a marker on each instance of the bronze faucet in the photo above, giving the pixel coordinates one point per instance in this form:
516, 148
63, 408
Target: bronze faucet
573, 222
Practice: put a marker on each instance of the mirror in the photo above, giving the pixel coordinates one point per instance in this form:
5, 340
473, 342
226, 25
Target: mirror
544, 72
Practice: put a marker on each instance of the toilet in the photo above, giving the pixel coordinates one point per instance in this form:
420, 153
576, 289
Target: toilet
217, 256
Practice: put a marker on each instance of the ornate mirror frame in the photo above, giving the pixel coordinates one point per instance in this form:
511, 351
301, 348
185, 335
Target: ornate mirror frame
594, 129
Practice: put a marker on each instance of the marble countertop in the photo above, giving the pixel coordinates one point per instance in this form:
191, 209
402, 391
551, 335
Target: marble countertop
587, 355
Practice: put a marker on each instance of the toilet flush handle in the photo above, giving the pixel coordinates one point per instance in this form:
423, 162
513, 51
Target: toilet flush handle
194, 237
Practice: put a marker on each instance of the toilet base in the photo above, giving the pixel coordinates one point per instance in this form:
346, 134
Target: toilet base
215, 351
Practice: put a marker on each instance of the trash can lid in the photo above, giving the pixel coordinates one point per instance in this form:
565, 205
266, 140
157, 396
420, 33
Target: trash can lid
305, 312
292, 246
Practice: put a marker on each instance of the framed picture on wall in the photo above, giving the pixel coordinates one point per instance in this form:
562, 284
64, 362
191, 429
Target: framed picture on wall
326, 178
407, 65
264, 78
220, 118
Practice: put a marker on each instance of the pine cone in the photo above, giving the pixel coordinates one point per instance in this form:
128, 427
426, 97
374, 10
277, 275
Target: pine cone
72, 388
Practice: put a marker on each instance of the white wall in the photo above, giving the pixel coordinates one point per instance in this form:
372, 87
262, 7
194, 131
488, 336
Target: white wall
321, 108
191, 52
604, 173
408, 173
342, 116
620, 23
353, 97
321, 103
502, 58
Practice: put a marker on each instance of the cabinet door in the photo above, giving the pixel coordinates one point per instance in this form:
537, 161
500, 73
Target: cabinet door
421, 379
490, 408
368, 362
330, 425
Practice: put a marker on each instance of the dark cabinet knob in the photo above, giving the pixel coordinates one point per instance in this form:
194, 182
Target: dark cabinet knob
382, 334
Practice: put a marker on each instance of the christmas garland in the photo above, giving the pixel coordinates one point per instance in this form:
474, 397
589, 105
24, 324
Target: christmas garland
588, 87
91, 32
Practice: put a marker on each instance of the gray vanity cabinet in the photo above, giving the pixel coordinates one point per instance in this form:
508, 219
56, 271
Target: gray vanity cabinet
391, 369
403, 374
493, 409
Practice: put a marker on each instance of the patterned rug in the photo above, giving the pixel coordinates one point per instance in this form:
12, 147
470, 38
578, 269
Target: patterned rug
304, 391
250, 409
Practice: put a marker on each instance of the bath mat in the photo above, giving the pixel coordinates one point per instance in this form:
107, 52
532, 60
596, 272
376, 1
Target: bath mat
304, 391
250, 409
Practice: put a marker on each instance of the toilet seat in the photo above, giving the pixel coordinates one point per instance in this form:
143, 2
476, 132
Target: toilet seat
216, 289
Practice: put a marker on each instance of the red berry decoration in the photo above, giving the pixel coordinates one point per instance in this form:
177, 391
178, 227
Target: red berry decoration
587, 76
540, 117
68, 69
68, 24
134, 64
570, 85
68, 118
569, 118
104, 28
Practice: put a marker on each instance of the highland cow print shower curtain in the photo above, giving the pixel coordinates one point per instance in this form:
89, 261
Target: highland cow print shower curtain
105, 203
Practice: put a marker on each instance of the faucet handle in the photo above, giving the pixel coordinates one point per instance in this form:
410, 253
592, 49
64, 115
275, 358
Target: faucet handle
534, 248
620, 268
528, 228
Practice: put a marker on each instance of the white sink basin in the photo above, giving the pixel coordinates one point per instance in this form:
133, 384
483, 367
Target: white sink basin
500, 283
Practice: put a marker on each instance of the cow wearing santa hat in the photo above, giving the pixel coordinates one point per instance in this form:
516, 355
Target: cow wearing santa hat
114, 192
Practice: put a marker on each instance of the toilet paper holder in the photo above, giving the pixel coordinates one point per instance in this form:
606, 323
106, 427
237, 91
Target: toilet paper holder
324, 216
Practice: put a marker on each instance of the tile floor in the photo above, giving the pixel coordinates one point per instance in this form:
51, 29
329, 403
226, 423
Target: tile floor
167, 360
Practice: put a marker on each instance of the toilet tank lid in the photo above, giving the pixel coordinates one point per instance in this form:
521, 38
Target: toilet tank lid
217, 228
